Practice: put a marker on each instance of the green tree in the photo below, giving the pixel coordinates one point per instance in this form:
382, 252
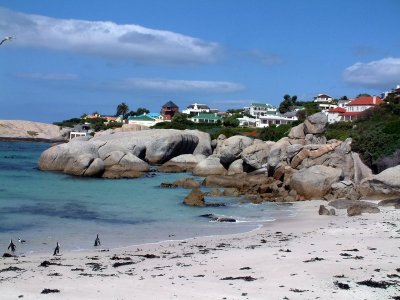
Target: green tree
122, 109
231, 121
141, 111
287, 103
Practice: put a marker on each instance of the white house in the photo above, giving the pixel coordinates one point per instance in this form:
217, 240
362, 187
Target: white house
259, 109
353, 109
323, 98
197, 108
247, 121
277, 119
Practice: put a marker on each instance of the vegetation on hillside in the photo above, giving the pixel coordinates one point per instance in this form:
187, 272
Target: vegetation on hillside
376, 134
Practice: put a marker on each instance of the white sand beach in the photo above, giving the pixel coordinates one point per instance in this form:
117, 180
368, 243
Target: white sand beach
305, 257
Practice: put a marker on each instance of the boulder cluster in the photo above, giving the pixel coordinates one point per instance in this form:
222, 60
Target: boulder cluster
302, 166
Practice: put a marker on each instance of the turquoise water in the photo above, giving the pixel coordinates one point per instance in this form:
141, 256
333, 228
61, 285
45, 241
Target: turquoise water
45, 207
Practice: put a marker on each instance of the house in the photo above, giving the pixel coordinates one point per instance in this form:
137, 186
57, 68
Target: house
148, 120
277, 119
353, 109
335, 114
259, 109
81, 130
326, 106
168, 110
247, 122
196, 108
206, 118
342, 102
323, 98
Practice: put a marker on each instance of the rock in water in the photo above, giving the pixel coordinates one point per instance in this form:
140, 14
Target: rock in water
117, 155
195, 198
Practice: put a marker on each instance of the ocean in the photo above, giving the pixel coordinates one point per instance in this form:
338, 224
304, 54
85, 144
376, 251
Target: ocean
48, 207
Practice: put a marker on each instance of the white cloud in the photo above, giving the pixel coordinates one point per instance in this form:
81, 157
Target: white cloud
48, 76
384, 73
167, 85
108, 39
267, 58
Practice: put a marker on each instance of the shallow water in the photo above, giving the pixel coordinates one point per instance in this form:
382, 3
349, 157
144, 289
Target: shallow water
45, 207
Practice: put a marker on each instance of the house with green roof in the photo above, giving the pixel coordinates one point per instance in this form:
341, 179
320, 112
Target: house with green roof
206, 118
149, 120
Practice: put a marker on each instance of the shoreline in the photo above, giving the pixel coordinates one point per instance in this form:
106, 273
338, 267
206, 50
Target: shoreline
297, 258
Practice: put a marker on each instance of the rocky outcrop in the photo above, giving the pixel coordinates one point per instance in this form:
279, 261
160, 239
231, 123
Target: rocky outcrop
383, 185
124, 154
345, 203
32, 131
315, 182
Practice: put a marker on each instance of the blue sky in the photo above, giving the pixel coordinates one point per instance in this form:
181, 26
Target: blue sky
70, 57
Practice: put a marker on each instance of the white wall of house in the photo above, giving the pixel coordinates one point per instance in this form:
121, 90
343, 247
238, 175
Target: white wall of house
358, 108
196, 109
333, 117
257, 111
265, 121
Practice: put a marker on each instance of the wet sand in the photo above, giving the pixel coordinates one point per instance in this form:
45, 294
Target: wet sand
304, 257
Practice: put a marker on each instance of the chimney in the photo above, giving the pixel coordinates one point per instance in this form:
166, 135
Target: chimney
374, 100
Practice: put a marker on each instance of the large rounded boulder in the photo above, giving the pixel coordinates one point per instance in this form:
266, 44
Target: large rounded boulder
383, 185
232, 148
315, 182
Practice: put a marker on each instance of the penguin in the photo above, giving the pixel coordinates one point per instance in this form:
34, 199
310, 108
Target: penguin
97, 241
21, 240
11, 246
57, 249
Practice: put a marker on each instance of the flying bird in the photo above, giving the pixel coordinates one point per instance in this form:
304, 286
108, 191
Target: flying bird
7, 38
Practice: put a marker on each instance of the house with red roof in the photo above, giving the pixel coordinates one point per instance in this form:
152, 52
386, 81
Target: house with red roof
353, 109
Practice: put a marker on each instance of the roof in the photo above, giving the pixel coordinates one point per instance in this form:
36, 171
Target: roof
322, 96
263, 105
337, 110
199, 106
170, 104
366, 100
207, 117
351, 113
143, 117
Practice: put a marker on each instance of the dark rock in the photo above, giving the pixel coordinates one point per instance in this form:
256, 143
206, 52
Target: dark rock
168, 185
245, 278
7, 255
187, 183
343, 286
49, 291
376, 284
323, 211
195, 198
225, 219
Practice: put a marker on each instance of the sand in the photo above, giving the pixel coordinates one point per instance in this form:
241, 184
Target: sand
305, 257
